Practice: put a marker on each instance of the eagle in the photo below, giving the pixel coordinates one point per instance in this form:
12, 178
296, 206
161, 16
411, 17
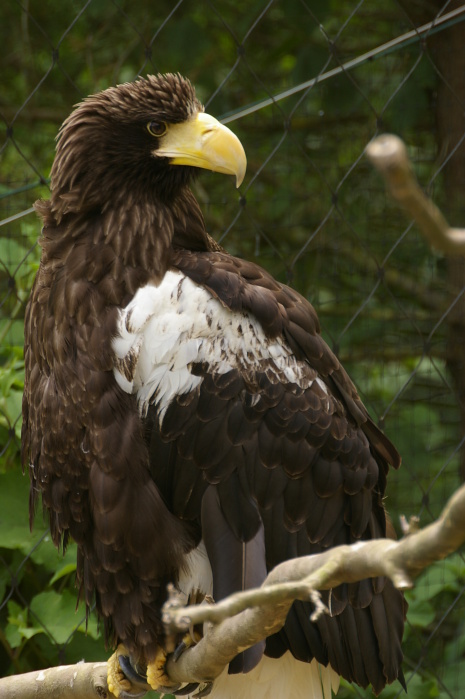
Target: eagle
184, 422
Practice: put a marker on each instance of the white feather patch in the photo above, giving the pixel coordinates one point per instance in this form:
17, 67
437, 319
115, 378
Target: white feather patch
167, 328
196, 573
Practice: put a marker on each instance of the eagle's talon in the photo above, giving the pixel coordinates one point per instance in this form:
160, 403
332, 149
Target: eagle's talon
179, 650
131, 673
157, 677
189, 640
187, 689
122, 677
204, 692
172, 689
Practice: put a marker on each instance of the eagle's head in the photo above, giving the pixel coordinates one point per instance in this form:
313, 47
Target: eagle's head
147, 136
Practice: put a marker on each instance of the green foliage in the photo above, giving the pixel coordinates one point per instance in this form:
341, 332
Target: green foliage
19, 256
38, 616
11, 392
418, 688
435, 589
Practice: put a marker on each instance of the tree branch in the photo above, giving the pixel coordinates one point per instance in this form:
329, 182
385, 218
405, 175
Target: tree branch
243, 619
389, 155
80, 681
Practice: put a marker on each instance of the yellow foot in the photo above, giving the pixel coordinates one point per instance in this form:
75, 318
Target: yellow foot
159, 680
123, 678
156, 675
190, 639
116, 679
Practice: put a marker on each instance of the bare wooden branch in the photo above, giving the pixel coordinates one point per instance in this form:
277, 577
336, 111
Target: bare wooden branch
389, 155
243, 619
80, 681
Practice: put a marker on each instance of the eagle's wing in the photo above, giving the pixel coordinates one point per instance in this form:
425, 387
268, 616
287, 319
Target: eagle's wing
257, 434
83, 443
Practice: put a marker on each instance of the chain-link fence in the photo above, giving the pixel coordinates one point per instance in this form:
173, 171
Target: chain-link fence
305, 85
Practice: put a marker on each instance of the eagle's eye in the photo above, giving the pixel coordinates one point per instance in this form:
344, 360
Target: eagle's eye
156, 128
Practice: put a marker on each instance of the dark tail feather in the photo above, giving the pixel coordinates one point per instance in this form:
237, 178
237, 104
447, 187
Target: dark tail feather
236, 565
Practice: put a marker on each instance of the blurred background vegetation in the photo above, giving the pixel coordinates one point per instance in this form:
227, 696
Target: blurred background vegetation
311, 211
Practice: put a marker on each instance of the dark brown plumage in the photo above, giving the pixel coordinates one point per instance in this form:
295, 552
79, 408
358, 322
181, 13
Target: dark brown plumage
175, 394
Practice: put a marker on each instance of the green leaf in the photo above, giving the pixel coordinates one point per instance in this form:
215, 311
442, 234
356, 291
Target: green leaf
82, 647
11, 254
63, 571
10, 411
14, 513
454, 679
28, 632
5, 581
13, 635
56, 613
422, 688
454, 651
420, 612
47, 555
17, 627
443, 575
456, 565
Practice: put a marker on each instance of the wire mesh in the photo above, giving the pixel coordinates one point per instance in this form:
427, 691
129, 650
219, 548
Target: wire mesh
305, 85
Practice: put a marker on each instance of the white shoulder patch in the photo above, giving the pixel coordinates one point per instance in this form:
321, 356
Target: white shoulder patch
165, 329
155, 344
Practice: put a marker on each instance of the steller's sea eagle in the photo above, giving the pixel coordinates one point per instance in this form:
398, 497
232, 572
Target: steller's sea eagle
183, 420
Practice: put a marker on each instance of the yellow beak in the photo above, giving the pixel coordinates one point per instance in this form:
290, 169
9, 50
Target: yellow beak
203, 142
